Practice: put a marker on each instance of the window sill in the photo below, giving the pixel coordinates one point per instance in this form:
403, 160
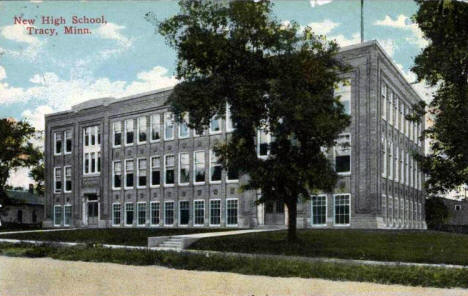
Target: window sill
215, 182
184, 184
170, 139
155, 186
169, 185
344, 174
232, 181
199, 183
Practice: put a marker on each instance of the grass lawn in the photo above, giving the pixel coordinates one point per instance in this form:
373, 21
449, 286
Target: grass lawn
117, 236
405, 275
403, 246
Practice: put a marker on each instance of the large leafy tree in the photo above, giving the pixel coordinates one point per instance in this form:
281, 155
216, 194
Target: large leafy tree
16, 150
444, 65
275, 79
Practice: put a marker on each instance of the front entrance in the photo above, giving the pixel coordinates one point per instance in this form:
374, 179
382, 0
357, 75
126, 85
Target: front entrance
92, 209
274, 212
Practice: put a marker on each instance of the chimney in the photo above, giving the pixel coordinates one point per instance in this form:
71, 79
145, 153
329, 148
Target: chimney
31, 188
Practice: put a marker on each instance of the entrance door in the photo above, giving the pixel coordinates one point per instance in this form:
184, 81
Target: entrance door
93, 209
274, 213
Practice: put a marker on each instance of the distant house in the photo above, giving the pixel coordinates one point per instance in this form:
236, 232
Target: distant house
458, 211
26, 207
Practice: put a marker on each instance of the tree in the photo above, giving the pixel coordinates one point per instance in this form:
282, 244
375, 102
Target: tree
444, 64
276, 80
436, 211
15, 150
37, 172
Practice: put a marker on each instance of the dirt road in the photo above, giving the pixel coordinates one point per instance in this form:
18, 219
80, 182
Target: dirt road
23, 276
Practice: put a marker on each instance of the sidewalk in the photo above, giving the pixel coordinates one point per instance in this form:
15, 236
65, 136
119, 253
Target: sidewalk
45, 276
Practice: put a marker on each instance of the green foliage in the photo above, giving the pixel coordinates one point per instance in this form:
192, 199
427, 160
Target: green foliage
16, 150
274, 78
406, 275
400, 246
444, 63
436, 211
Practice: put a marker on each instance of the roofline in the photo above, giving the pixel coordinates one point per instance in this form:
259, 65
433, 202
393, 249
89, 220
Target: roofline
388, 58
341, 50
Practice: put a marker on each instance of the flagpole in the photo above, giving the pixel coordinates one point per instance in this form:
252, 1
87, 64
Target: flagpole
362, 21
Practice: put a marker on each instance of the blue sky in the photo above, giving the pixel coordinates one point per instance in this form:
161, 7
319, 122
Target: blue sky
40, 74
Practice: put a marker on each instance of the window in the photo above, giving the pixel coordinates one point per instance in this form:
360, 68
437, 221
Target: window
319, 210
215, 125
98, 130
141, 173
155, 127
129, 173
344, 91
68, 179
91, 150
142, 130
384, 156
397, 162
402, 118
199, 167
406, 122
343, 154
390, 159
116, 214
199, 215
58, 143
457, 207
390, 210
168, 213
58, 215
117, 175
184, 131
390, 107
215, 168
57, 180
68, 142
155, 171
141, 210
86, 163
184, 168
129, 132
168, 126
402, 167
407, 168
263, 143
411, 172
184, 212
383, 102
229, 124
215, 212
232, 174
129, 214
117, 131
231, 212
67, 215
169, 170
154, 208
395, 111
342, 209
93, 162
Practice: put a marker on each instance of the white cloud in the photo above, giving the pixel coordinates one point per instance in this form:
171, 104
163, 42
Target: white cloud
112, 31
18, 33
426, 92
404, 23
343, 41
20, 177
36, 116
60, 94
323, 28
314, 3
388, 45
2, 73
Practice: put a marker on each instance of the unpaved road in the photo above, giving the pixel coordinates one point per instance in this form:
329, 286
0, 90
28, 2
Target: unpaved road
45, 276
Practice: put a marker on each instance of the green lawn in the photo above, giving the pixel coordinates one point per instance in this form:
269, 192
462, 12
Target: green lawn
405, 275
117, 236
404, 246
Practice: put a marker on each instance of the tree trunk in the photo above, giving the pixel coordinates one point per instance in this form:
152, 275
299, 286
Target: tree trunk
292, 223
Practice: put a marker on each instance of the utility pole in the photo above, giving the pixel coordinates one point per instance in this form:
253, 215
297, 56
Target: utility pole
362, 21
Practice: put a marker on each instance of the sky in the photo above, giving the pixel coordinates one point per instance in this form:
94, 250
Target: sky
124, 55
